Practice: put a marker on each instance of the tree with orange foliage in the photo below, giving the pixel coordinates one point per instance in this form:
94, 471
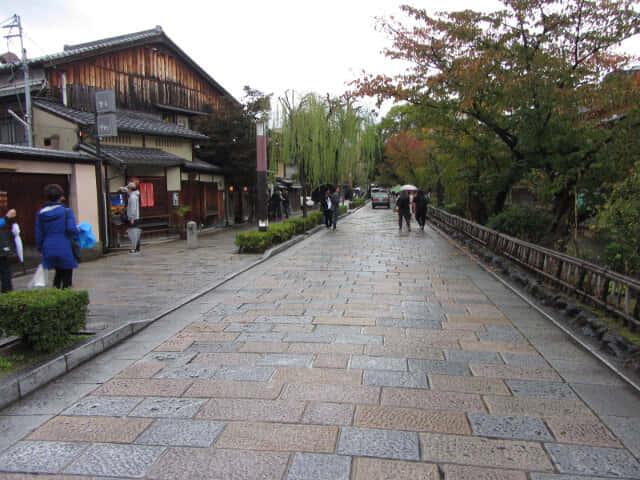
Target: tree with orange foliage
527, 80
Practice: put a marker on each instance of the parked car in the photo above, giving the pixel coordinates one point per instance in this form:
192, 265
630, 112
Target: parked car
380, 198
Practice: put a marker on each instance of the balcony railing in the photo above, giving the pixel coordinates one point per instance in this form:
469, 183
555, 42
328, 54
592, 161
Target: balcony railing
616, 293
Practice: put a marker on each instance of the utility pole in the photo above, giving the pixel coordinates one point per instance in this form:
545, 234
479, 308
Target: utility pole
261, 175
15, 23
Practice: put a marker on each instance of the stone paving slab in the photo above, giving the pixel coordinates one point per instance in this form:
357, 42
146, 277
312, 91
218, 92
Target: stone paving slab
536, 389
234, 409
432, 400
509, 427
412, 419
180, 432
143, 387
460, 472
40, 457
115, 460
583, 431
449, 383
597, 461
514, 372
315, 466
91, 429
484, 452
627, 430
108, 406
369, 442
381, 469
332, 376
231, 389
219, 464
356, 394
536, 407
395, 379
279, 437
328, 413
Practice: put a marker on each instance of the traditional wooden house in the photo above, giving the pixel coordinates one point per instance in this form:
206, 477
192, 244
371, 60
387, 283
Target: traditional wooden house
158, 91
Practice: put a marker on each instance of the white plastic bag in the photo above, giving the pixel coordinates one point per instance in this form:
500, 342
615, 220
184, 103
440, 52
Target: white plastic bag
39, 279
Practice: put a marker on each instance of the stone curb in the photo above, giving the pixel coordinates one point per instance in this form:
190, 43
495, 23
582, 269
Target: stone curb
25, 383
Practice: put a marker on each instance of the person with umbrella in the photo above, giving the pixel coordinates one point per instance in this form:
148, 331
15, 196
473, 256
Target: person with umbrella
403, 204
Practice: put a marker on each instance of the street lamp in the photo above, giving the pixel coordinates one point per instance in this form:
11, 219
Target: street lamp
261, 176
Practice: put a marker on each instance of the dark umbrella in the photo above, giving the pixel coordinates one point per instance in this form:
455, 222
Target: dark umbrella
318, 192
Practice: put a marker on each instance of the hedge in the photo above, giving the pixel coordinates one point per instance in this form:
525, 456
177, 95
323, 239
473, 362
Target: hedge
44, 319
255, 241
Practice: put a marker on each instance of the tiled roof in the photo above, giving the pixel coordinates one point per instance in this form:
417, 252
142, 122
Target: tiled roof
201, 166
133, 122
155, 35
23, 151
137, 156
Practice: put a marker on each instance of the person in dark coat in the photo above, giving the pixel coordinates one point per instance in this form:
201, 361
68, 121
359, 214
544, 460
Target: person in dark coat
420, 208
276, 204
404, 210
335, 207
286, 209
5, 266
327, 213
55, 227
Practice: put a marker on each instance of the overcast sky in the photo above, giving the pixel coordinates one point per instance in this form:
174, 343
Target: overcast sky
272, 46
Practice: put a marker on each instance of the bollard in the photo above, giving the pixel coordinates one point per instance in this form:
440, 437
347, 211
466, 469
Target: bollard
192, 234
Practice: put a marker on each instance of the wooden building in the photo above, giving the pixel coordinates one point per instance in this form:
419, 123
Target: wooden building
158, 90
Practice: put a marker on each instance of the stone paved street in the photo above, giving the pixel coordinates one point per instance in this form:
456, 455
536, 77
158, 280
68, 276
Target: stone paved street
360, 354
125, 288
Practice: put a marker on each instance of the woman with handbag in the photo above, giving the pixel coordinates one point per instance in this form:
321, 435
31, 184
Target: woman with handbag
55, 229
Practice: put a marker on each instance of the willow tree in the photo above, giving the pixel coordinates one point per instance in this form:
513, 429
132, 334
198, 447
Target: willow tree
329, 140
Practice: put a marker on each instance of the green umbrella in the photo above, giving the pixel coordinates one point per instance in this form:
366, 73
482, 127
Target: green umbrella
396, 188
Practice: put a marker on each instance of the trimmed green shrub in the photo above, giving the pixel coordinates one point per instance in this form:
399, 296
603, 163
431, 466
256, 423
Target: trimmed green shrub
343, 209
44, 319
357, 202
281, 232
316, 216
254, 241
521, 221
298, 223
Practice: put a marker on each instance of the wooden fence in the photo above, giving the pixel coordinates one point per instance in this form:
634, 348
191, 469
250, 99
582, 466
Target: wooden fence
616, 293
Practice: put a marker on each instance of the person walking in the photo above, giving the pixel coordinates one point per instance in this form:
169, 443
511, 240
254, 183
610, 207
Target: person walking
325, 205
404, 210
6, 242
286, 209
276, 204
335, 207
55, 227
420, 208
133, 217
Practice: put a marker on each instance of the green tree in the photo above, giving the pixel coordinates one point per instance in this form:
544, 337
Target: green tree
524, 84
619, 219
329, 140
232, 135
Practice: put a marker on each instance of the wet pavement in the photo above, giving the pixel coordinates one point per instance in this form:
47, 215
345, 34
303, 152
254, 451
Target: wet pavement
360, 354
124, 287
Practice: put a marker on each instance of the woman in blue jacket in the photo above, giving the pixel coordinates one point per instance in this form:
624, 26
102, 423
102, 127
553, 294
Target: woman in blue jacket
55, 227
